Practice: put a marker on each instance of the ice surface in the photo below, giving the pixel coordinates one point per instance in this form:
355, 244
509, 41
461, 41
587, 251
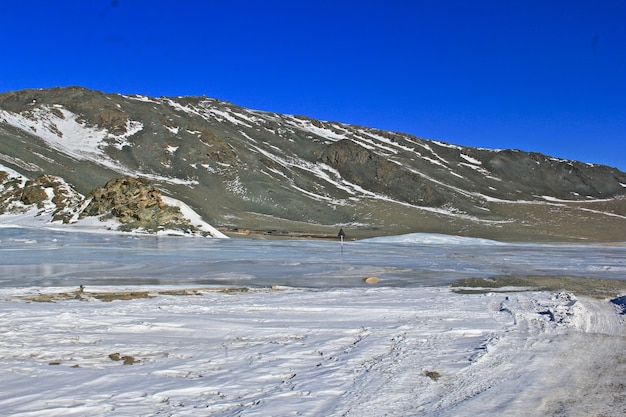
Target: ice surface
57, 258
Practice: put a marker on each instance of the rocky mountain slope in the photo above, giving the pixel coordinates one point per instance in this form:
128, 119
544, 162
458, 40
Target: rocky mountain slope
252, 170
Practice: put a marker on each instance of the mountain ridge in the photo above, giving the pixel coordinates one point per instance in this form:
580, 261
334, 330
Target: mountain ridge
251, 169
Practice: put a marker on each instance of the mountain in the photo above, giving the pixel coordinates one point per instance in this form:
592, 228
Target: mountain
255, 171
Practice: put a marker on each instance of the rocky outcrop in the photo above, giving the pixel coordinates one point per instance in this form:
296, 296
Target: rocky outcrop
137, 204
10, 189
49, 194
134, 202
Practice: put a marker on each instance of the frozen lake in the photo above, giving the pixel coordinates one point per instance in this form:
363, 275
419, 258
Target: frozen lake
43, 257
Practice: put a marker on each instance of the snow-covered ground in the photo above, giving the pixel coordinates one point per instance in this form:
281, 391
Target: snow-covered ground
298, 332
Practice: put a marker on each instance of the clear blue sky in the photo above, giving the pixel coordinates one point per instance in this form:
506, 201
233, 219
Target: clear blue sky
537, 75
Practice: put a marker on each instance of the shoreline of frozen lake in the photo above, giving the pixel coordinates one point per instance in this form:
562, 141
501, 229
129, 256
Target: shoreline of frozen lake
42, 257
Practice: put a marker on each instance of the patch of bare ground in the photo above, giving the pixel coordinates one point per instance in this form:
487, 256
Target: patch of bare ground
108, 296
600, 221
597, 288
87, 296
126, 359
434, 375
566, 221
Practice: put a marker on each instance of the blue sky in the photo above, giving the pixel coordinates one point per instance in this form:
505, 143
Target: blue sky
546, 76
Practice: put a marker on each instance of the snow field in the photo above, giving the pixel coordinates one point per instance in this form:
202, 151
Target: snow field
353, 352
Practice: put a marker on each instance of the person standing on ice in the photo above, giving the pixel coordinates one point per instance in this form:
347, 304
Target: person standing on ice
341, 235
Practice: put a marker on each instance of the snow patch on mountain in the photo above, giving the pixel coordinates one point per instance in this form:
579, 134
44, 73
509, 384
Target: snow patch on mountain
309, 126
221, 115
193, 217
64, 131
61, 129
471, 160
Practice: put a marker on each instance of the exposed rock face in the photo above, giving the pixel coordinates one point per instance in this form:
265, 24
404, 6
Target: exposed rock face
50, 194
136, 203
371, 171
9, 189
557, 179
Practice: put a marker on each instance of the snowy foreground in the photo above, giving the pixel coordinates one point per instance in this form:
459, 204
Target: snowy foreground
354, 352
334, 348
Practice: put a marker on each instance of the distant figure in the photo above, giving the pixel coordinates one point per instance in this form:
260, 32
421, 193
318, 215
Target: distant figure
341, 235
